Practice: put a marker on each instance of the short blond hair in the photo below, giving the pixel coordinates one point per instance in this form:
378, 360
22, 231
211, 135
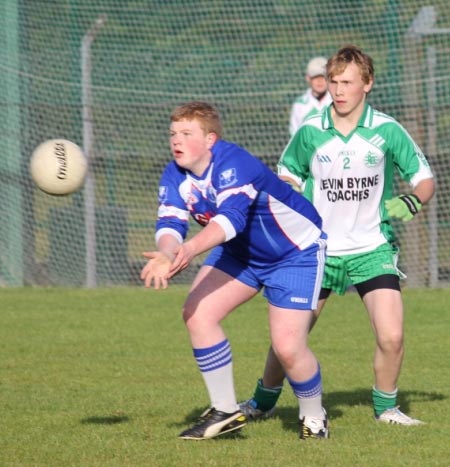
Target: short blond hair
351, 54
205, 113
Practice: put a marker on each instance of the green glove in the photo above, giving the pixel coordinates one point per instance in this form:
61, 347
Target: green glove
404, 207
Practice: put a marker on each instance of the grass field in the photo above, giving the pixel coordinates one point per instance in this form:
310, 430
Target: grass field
106, 378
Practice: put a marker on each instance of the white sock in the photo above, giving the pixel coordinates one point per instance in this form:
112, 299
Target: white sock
216, 366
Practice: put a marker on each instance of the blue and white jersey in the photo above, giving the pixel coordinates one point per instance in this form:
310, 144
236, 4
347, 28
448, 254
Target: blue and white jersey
264, 219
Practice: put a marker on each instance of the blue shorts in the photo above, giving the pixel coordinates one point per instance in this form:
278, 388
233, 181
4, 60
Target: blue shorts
292, 283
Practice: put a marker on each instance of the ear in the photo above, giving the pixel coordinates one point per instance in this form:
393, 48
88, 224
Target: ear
211, 139
368, 86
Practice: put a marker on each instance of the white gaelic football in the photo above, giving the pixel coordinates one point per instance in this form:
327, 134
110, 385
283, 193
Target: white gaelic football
58, 167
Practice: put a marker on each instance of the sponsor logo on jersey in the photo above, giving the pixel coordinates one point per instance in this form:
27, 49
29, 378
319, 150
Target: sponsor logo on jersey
348, 189
162, 194
203, 217
227, 178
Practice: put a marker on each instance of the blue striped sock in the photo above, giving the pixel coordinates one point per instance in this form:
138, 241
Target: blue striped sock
306, 389
211, 358
309, 395
216, 366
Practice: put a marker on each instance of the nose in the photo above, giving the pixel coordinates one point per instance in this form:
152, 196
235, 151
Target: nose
339, 89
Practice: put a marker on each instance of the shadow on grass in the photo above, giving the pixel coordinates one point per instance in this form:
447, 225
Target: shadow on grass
335, 403
105, 420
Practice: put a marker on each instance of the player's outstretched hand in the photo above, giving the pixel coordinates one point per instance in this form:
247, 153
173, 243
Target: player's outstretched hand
184, 255
403, 207
156, 270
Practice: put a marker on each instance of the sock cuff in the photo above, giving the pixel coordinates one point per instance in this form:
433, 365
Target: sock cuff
275, 389
210, 350
265, 398
309, 388
385, 394
214, 357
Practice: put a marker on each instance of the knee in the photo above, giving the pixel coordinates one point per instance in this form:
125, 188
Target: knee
191, 309
198, 318
391, 343
286, 354
189, 317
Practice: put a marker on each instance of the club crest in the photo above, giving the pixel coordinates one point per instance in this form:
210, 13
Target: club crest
227, 178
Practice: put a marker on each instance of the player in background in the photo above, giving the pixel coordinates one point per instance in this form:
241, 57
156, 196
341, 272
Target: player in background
315, 99
261, 233
344, 160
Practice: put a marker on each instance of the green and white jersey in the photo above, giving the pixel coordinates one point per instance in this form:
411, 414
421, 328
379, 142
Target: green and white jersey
349, 178
304, 107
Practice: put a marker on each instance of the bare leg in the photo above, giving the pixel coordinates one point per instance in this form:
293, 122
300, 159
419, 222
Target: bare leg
289, 334
385, 310
289, 331
273, 371
213, 295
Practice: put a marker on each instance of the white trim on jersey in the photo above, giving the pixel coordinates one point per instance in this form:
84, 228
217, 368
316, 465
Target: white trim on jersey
248, 190
296, 228
166, 230
227, 226
284, 171
172, 211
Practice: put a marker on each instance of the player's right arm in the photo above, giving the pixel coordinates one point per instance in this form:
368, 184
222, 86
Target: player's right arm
171, 229
292, 167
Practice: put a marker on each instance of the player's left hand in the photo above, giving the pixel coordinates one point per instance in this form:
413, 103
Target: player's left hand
156, 270
184, 255
403, 207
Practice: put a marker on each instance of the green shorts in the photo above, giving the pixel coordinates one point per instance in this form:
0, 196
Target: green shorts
343, 271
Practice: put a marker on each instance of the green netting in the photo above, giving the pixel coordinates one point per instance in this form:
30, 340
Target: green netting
142, 58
